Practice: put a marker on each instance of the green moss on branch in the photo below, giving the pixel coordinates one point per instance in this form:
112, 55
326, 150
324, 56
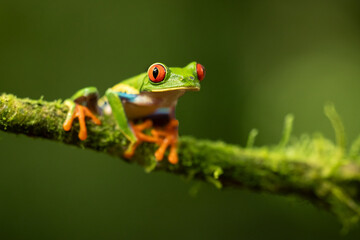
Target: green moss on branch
313, 168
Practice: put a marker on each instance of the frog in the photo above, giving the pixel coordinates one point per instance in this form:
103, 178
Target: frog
142, 106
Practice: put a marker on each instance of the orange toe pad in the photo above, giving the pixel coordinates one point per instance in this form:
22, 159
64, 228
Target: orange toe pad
80, 112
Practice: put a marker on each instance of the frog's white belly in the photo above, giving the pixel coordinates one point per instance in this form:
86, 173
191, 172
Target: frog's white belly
147, 103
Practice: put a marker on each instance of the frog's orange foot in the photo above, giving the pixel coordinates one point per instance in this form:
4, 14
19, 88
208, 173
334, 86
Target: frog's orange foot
169, 137
80, 112
141, 137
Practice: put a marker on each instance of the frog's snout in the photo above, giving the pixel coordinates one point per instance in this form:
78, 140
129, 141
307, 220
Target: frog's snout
190, 83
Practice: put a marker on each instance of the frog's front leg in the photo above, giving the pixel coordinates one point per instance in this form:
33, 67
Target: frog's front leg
79, 107
134, 133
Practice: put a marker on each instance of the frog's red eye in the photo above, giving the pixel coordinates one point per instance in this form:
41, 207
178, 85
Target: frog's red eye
200, 69
156, 73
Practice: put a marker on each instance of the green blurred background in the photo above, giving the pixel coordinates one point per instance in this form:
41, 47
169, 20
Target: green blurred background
264, 59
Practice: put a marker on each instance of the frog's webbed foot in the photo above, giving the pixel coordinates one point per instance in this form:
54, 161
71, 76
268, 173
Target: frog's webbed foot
80, 112
141, 137
169, 137
164, 137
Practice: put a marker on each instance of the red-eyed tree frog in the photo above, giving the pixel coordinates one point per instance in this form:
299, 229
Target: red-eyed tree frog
145, 101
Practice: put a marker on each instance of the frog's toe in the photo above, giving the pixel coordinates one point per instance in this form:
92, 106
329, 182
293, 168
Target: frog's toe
68, 124
140, 137
169, 137
173, 156
130, 151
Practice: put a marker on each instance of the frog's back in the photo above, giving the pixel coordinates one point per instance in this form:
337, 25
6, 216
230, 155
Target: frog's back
131, 85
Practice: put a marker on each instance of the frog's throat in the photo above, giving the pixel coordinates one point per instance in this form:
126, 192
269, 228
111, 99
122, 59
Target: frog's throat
176, 88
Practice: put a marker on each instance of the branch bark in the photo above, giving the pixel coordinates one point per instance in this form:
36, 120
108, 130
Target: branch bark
309, 167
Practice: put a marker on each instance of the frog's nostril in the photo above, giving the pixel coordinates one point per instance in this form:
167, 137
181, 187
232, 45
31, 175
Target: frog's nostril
191, 77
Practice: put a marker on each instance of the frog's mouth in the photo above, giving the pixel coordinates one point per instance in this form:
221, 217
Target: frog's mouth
177, 88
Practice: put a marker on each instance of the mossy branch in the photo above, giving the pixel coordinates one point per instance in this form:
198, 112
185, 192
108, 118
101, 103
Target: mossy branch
313, 167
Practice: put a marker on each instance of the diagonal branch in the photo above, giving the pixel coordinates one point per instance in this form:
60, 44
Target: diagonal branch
309, 167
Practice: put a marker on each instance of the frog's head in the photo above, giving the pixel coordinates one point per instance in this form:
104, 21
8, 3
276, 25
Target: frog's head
161, 78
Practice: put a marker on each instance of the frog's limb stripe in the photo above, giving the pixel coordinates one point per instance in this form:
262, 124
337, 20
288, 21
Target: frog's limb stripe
119, 115
124, 88
87, 96
129, 97
162, 111
85, 92
102, 101
69, 117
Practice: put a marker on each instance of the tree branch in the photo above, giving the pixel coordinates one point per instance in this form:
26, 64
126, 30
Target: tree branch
309, 167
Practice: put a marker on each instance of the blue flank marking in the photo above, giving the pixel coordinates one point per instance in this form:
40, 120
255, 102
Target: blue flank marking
162, 111
127, 96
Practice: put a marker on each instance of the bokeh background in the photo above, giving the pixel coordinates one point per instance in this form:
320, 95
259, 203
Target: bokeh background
264, 59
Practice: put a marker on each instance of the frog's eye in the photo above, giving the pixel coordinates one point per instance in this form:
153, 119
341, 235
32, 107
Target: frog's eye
156, 73
200, 69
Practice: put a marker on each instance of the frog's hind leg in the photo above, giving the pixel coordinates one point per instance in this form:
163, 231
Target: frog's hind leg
79, 107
